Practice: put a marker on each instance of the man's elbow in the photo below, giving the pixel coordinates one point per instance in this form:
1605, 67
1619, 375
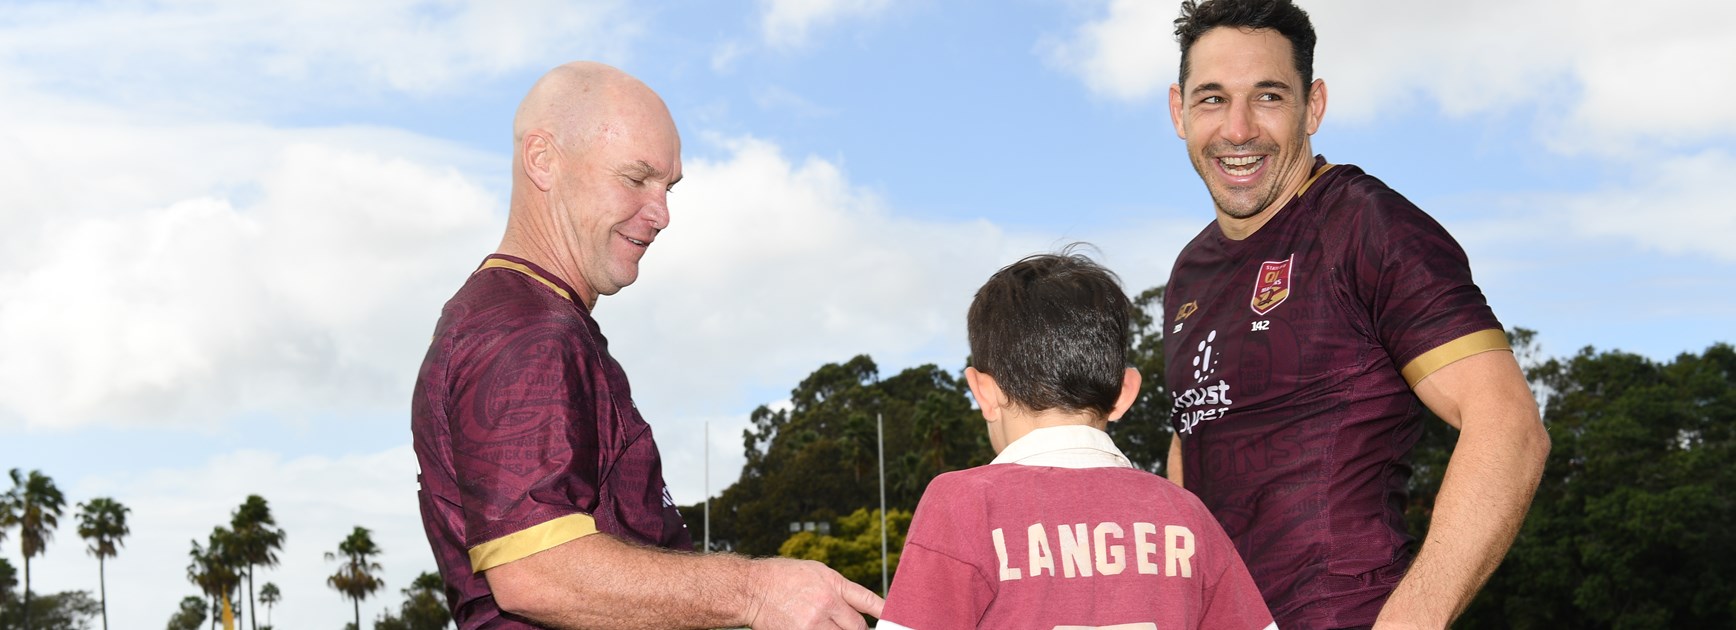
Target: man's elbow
1539, 443
517, 595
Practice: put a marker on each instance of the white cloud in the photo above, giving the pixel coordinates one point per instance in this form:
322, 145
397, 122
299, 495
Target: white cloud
316, 500
1129, 55
1679, 207
224, 269
1602, 73
216, 55
787, 23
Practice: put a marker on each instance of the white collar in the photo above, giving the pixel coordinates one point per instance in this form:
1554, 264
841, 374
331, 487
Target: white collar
1066, 446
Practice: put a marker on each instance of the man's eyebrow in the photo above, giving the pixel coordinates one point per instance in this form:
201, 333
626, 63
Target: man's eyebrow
1268, 84
644, 169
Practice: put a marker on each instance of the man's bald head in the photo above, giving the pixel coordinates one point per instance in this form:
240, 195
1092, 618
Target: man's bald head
578, 100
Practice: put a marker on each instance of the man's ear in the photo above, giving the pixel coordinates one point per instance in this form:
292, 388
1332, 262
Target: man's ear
1129, 392
537, 154
1175, 110
1316, 105
986, 392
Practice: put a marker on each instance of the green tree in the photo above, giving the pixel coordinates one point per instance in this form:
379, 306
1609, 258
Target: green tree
70, 610
855, 551
1143, 433
102, 522
215, 569
389, 621
257, 541
817, 459
1624, 531
424, 607
190, 615
425, 603
356, 578
269, 595
8, 581
34, 507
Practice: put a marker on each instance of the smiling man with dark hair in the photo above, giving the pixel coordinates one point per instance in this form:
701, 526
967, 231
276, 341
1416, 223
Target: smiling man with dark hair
1306, 329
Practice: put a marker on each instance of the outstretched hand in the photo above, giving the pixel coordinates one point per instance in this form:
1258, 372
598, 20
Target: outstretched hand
803, 594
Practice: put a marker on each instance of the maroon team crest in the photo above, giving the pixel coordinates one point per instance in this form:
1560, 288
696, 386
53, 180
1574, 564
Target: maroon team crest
1272, 286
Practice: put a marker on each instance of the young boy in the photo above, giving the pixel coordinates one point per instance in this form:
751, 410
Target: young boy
1060, 530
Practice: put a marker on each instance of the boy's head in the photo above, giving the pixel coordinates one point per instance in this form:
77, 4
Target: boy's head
1052, 332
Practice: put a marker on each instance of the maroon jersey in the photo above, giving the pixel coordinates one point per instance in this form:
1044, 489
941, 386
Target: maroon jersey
1290, 361
1088, 545
527, 436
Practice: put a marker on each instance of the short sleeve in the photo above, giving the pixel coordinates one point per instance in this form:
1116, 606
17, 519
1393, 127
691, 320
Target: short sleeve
1415, 283
524, 444
938, 585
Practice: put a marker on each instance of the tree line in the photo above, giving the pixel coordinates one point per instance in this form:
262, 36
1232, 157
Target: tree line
222, 568
1628, 529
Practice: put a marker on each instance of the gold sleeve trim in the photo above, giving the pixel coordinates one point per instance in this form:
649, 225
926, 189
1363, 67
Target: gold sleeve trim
1474, 343
523, 543
496, 263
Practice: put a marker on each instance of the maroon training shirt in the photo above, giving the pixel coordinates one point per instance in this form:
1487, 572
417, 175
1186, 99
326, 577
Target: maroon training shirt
527, 436
1291, 356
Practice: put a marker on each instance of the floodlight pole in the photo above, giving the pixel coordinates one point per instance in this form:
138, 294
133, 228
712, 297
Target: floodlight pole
707, 548
880, 437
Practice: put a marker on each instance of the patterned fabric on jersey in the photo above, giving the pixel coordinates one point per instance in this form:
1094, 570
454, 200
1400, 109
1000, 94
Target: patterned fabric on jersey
1058, 541
1290, 361
527, 436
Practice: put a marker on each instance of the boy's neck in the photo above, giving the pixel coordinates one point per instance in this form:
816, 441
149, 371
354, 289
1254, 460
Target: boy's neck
1017, 423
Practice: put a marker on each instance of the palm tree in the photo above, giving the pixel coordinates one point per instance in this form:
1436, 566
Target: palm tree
425, 604
257, 540
35, 507
214, 568
269, 595
103, 522
8, 575
355, 578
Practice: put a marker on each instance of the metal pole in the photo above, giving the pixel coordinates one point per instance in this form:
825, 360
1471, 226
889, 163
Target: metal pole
880, 436
707, 486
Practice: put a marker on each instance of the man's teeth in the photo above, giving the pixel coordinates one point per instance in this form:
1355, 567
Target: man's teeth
635, 241
1240, 166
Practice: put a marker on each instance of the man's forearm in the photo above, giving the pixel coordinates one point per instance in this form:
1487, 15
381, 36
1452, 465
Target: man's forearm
601, 582
1485, 493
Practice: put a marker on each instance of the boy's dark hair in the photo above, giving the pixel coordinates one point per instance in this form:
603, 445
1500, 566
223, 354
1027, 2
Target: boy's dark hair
1289, 20
1053, 330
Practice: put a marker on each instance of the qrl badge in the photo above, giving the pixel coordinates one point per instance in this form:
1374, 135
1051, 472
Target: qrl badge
1273, 285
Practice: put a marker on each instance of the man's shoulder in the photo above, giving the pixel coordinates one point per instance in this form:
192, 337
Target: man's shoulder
502, 297
1346, 191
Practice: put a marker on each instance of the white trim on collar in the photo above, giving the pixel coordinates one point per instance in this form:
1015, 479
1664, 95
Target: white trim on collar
1067, 446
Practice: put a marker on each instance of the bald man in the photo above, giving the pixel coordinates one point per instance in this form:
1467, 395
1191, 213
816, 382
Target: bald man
542, 491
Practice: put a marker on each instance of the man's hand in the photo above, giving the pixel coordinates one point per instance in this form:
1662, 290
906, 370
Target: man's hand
803, 594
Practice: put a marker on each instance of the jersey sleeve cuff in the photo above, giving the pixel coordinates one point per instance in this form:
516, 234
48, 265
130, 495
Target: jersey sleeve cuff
525, 542
1446, 353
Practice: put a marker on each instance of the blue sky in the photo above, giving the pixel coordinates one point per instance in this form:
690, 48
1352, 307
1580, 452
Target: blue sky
226, 228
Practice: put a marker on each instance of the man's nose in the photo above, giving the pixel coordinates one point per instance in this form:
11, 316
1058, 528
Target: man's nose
657, 212
1240, 127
